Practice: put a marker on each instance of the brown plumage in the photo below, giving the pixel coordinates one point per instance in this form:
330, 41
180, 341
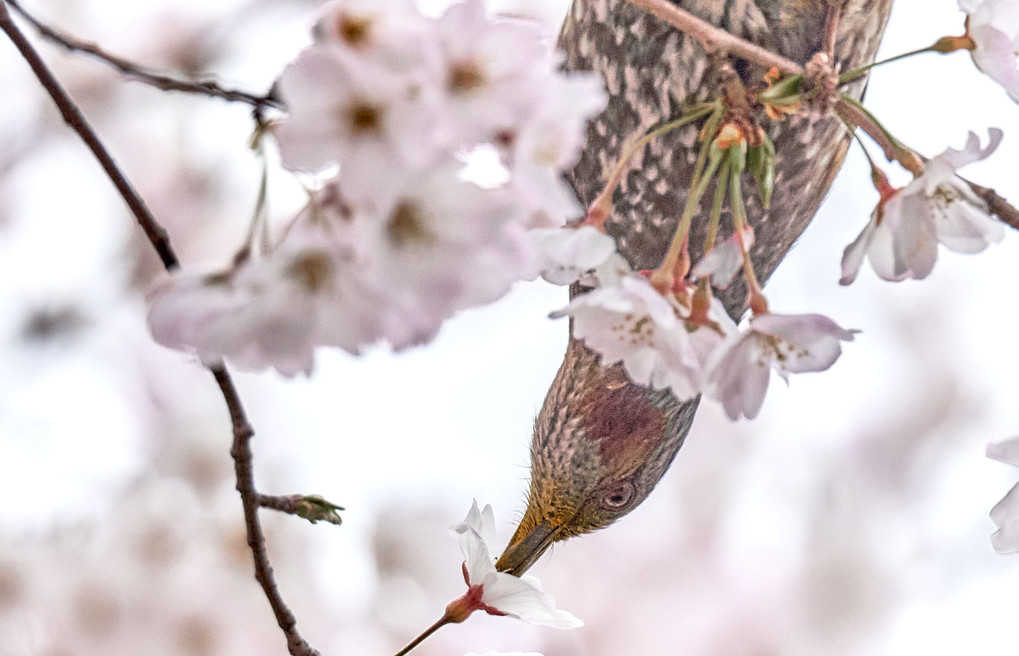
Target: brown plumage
601, 443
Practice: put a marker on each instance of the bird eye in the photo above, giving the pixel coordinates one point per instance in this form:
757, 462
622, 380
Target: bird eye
618, 497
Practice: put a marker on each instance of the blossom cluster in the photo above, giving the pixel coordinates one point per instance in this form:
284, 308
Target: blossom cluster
381, 111
692, 347
901, 240
992, 27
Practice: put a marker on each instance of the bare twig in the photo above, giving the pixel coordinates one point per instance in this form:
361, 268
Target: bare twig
242, 431
1000, 207
311, 507
715, 39
141, 73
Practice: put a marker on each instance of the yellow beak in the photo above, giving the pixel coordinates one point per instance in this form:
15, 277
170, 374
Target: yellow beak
523, 551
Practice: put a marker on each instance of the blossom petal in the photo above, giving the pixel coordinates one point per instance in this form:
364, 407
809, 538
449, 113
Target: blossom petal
522, 598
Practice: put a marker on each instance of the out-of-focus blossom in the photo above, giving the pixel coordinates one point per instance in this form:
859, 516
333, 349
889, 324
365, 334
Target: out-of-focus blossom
354, 112
1006, 512
564, 254
499, 593
739, 370
723, 262
391, 31
548, 142
493, 71
902, 236
993, 26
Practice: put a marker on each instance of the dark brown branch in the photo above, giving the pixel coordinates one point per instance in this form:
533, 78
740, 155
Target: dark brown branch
141, 73
242, 431
243, 468
999, 206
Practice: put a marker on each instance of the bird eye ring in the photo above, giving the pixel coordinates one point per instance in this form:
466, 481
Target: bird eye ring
619, 496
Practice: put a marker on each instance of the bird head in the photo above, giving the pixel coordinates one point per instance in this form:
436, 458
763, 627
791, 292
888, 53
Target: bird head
601, 443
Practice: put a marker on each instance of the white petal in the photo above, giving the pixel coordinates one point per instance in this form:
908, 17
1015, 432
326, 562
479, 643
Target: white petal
1007, 451
1005, 515
523, 599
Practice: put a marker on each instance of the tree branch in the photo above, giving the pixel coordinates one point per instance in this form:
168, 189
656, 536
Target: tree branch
242, 431
715, 39
141, 73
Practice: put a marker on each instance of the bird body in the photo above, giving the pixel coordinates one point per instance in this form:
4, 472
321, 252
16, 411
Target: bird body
601, 443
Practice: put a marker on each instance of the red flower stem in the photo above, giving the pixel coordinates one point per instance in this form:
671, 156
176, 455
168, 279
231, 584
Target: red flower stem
424, 635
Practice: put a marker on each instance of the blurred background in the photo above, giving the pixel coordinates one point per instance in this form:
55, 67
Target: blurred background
850, 518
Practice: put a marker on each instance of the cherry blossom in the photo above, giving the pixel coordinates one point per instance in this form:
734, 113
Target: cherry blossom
492, 71
391, 31
724, 261
548, 142
564, 254
499, 593
353, 111
275, 311
937, 206
625, 319
739, 370
993, 26
1006, 512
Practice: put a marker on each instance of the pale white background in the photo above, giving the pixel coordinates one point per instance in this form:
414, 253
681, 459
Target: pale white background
850, 518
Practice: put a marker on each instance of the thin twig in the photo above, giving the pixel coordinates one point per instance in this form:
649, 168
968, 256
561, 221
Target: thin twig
140, 73
715, 39
242, 431
999, 207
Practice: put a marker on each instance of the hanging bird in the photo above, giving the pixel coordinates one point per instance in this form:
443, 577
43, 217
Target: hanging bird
601, 443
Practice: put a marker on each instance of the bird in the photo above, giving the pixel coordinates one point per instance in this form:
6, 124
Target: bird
601, 442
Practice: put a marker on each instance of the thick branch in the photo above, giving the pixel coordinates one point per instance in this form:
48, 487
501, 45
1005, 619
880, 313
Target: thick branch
157, 236
141, 73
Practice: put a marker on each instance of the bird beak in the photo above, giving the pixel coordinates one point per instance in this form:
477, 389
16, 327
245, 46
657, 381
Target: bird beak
522, 551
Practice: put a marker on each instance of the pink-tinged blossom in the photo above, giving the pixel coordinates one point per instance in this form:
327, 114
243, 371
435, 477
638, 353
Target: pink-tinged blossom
443, 244
492, 71
564, 254
274, 312
393, 32
352, 111
902, 236
993, 25
548, 142
625, 319
1005, 513
724, 261
499, 593
739, 370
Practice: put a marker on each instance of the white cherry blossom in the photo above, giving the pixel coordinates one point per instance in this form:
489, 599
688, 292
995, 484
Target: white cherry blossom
739, 370
1005, 513
564, 254
902, 236
993, 25
494, 74
724, 261
494, 592
629, 321
548, 142
394, 32
352, 111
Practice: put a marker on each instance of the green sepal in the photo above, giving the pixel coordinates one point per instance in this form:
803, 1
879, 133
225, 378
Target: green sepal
315, 508
761, 160
784, 92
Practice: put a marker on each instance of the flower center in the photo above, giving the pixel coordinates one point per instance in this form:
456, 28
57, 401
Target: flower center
465, 76
364, 117
355, 30
311, 270
407, 226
